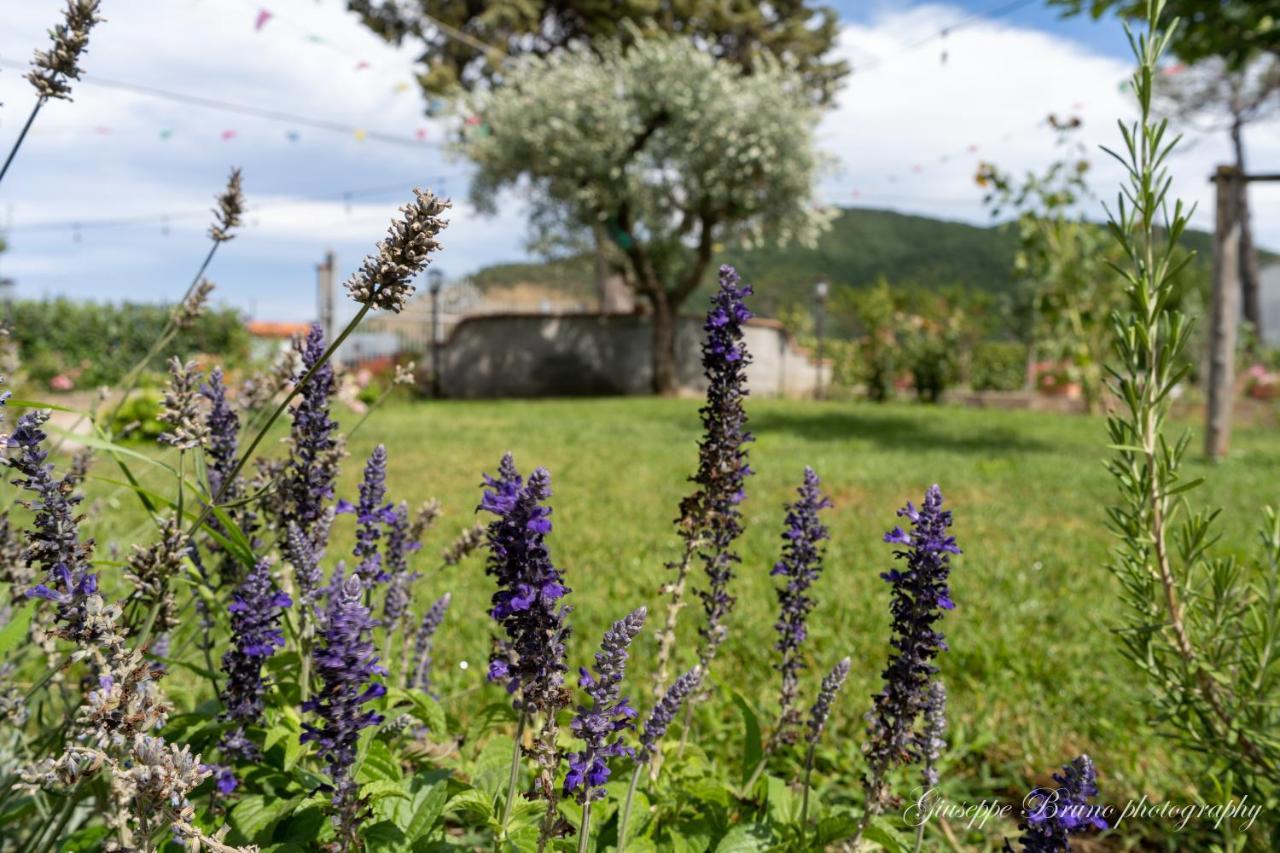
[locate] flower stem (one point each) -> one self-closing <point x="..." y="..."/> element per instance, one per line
<point x="275" y="415"/>
<point x="625" y="818"/>
<point x="584" y="830"/>
<point x="21" y="136"/>
<point x="804" y="801"/>
<point x="514" y="779"/>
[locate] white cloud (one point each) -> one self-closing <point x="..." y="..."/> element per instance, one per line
<point x="988" y="101"/>
<point x="103" y="156"/>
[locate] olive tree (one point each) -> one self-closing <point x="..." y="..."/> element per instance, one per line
<point x="662" y="148"/>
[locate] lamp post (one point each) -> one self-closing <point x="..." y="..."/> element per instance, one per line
<point x="435" y="282"/>
<point x="820" y="291"/>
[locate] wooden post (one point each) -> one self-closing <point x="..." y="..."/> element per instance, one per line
<point x="1225" y="315"/>
<point x="324" y="294"/>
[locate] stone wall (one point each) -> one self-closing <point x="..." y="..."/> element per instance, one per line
<point x="554" y="355"/>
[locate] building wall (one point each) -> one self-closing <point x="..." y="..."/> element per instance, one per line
<point x="602" y="354"/>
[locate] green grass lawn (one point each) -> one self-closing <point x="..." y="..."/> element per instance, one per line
<point x="1033" y="672"/>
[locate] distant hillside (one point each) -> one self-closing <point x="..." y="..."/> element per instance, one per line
<point x="862" y="245"/>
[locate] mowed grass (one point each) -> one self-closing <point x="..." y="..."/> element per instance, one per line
<point x="1033" y="669"/>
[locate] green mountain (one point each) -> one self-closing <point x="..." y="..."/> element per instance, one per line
<point x="862" y="245"/>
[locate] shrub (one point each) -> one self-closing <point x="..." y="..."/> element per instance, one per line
<point x="998" y="366"/>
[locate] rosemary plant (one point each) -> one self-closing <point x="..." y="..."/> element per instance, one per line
<point x="1203" y="628"/>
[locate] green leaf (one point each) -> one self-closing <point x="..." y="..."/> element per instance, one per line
<point x="783" y="807"/>
<point x="836" y="828"/>
<point x="886" y="836"/>
<point x="472" y="803"/>
<point x="526" y="814"/>
<point x="747" y="838"/>
<point x="383" y="835"/>
<point x="85" y="839"/>
<point x="428" y="805"/>
<point x="752" y="746"/>
<point x="380" y="789"/>
<point x="13" y="633"/>
<point x="253" y="816"/>
<point x="424" y="708"/>
<point x="379" y="764"/>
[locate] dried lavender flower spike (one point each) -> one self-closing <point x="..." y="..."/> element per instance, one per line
<point x="424" y="641"/>
<point x="385" y="279"/>
<point x="180" y="409"/>
<point x="193" y="307"/>
<point x="800" y="566"/>
<point x="609" y="713"/>
<point x="462" y="547"/>
<point x="423" y="519"/>
<point x="229" y="210"/>
<point x="664" y="713"/>
<point x="52" y="69"/>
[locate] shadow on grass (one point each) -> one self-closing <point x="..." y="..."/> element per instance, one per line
<point x="894" y="431"/>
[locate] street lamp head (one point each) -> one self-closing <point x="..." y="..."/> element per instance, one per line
<point x="820" y="291"/>
<point x="435" y="280"/>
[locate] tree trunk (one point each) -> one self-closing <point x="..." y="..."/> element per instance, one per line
<point x="664" y="344"/>
<point x="1224" y="317"/>
<point x="1249" y="271"/>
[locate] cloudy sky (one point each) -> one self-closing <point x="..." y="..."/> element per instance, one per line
<point x="109" y="197"/>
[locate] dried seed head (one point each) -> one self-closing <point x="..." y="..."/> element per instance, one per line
<point x="462" y="547"/>
<point x="181" y="407"/>
<point x="404" y="374"/>
<point x="384" y="279"/>
<point x="51" y="69"/>
<point x="230" y="208"/>
<point x="424" y="518"/>
<point x="192" y="308"/>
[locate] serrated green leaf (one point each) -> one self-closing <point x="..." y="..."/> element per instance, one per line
<point x="472" y="803"/>
<point x="428" y="805"/>
<point x="381" y="789"/>
<point x="379" y="763"/>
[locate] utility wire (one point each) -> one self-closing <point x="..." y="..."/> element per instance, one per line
<point x="990" y="15"/>
<point x="243" y="109"/>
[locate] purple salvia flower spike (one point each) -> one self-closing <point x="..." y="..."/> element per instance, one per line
<point x="256" y="610"/>
<point x="599" y="724"/>
<point x="347" y="664"/>
<point x="1055" y="815"/>
<point x="920" y="595"/>
<point x="664" y="713"/>
<point x="424" y="641"/>
<point x="307" y="485"/>
<point x="800" y="566"/>
<point x="530" y="660"/>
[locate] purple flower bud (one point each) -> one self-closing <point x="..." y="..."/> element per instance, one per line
<point x="664" y="712"/>
<point x="609" y="713"/>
